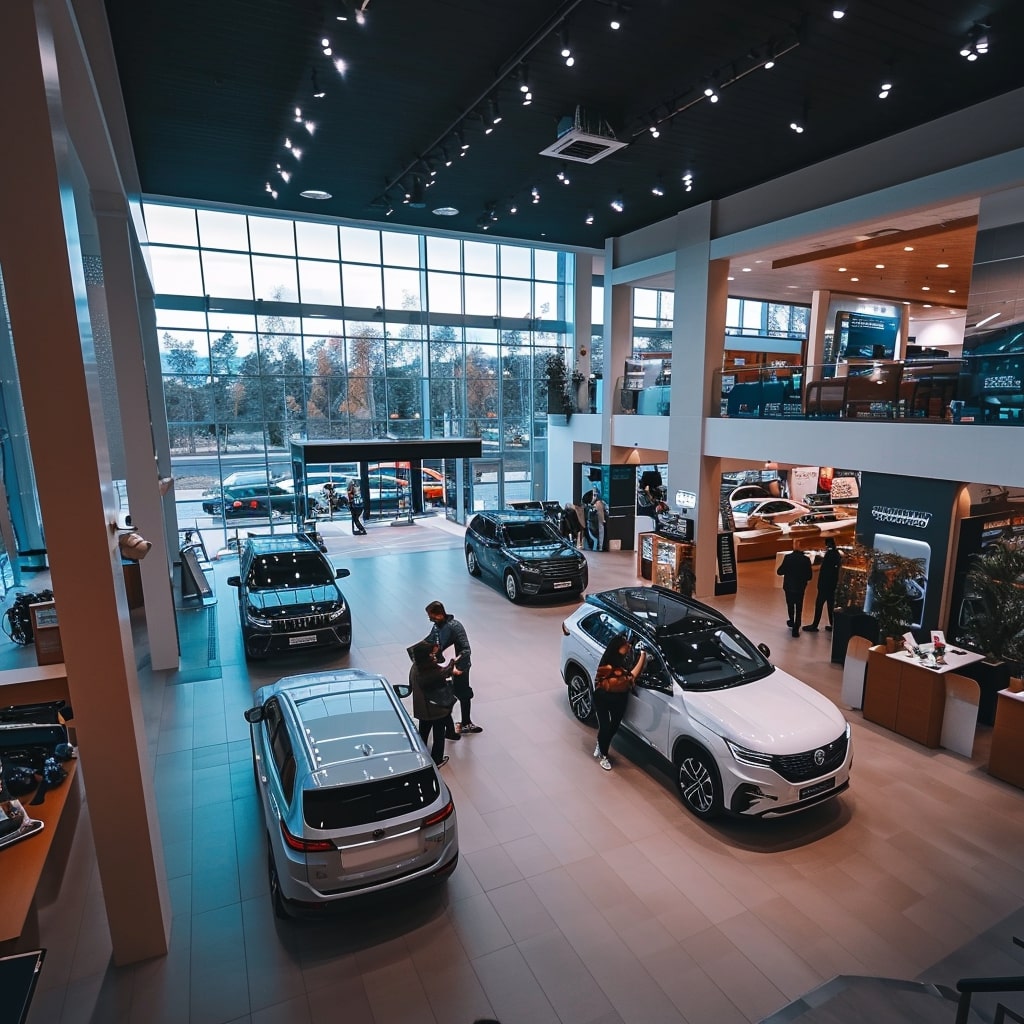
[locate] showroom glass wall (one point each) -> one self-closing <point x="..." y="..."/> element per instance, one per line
<point x="274" y="329"/>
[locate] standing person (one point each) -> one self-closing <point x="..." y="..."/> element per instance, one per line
<point x="589" y="520"/>
<point x="796" y="573"/>
<point x="425" y="674"/>
<point x="613" y="684"/>
<point x="572" y="524"/>
<point x="601" y="515"/>
<point x="828" y="578"/>
<point x="449" y="632"/>
<point x="355" y="506"/>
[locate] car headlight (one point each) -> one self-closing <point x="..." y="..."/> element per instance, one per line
<point x="530" y="570"/>
<point x="256" y="619"/>
<point x="338" y="612"/>
<point x="754" y="758"/>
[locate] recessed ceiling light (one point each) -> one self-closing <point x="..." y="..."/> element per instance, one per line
<point x="854" y="278"/>
<point x="952" y="291"/>
<point x="927" y="305"/>
<point x="908" y="248"/>
<point x="746" y="270"/>
<point x="730" y="279"/>
<point x="315" y="193"/>
<point x="446" y="211"/>
<point x="879" y="266"/>
<point x="925" y="288"/>
<point x="842" y="270"/>
<point x="942" y="266"/>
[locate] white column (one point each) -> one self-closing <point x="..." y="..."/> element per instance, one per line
<point x="40" y="256"/>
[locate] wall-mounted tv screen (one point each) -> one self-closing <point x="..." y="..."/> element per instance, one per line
<point x="863" y="336"/>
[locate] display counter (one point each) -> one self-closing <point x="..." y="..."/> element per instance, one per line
<point x="1005" y="761"/>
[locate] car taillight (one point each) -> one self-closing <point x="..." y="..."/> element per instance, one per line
<point x="306" y="845"/>
<point x="565" y="631"/>
<point x="446" y="812"/>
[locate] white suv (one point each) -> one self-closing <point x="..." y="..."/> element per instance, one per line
<point x="741" y="735"/>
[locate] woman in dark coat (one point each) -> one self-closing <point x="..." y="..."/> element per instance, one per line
<point x="425" y="675"/>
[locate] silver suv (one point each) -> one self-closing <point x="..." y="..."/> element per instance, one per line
<point x="352" y="800"/>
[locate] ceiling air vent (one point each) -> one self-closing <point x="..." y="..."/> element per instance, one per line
<point x="585" y="140"/>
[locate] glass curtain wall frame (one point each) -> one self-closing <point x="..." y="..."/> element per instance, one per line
<point x="330" y="330"/>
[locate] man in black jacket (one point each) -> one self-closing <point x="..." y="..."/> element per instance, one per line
<point x="796" y="574"/>
<point x="449" y="632"/>
<point x="828" y="578"/>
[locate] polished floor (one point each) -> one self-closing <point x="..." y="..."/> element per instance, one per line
<point x="582" y="896"/>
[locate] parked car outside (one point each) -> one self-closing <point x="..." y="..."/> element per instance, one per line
<point x="525" y="552"/>
<point x="774" y="510"/>
<point x="288" y="597"/>
<point x="740" y="735"/>
<point x="249" y="501"/>
<point x="242" y="478"/>
<point x="352" y="802"/>
<point x="433" y="481"/>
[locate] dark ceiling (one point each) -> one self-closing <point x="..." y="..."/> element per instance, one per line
<point x="211" y="87"/>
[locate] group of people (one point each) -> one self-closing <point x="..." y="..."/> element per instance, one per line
<point x="796" y="572"/>
<point x="430" y="673"/>
<point x="586" y="523"/>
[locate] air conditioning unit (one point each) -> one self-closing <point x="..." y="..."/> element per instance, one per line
<point x="583" y="140"/>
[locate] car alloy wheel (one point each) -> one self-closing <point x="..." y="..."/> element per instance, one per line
<point x="472" y="565"/>
<point x="581" y="697"/>
<point x="698" y="783"/>
<point x="511" y="586"/>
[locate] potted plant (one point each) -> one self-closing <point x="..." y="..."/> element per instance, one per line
<point x="562" y="386"/>
<point x="995" y="602"/>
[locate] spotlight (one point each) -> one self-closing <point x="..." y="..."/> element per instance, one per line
<point x="655" y="131"/>
<point x="447" y="157"/>
<point x="688" y="181"/>
<point x="884" y="90"/>
<point x="513" y="208"/>
<point x="566" y="50"/>
<point x="976" y="43"/>
<point x="494" y="112"/>
<point x="563" y="174"/>
<point x="590" y="217"/>
<point x="615" y="22"/>
<point x="527" y="98"/>
<point x="617" y="204"/>
<point x="712" y="94"/>
<point x="325" y="45"/>
<point x="657" y="189"/>
<point x="416" y="200"/>
<point x="535" y="194"/>
<point x="524" y="79"/>
<point x="839" y="11"/>
<point x="463" y="144"/>
<point x="797" y="127"/>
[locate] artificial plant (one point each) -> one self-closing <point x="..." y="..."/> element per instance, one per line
<point x="995" y="602"/>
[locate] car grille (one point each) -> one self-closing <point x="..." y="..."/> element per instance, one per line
<point x="301" y="623"/>
<point x="560" y="570"/>
<point x="800" y="767"/>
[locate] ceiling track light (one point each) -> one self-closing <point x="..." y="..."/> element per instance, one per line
<point x="658" y="189"/>
<point x="884" y="89"/>
<point x="524" y="79"/>
<point x="325" y="45"/>
<point x="615" y="22"/>
<point x="461" y="137"/>
<point x="711" y="92"/>
<point x="797" y="127"/>
<point x="838" y="11"/>
<point x="655" y="131"/>
<point x="688" y="181"/>
<point x="535" y="194"/>
<point x="527" y="98"/>
<point x="977" y="42"/>
<point x="566" y="49"/>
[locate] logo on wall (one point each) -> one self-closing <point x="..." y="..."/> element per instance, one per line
<point x="901" y="516"/>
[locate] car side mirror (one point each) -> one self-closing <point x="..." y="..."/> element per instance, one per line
<point x="342" y="573"/>
<point x="402" y="689"/>
<point x="254" y="715"/>
<point x="234" y="581"/>
<point x="763" y="648"/>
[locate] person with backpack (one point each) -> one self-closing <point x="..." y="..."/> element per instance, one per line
<point x="620" y="665"/>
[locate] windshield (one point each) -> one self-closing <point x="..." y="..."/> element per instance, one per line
<point x="520" y="535"/>
<point x="289" y="569"/>
<point x="708" y="659"/>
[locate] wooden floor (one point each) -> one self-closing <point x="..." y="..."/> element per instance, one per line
<point x="582" y="896"/>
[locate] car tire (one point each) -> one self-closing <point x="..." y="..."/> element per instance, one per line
<point x="472" y="565"/>
<point x="511" y="586"/>
<point x="581" y="695"/>
<point x="277" y="901"/>
<point x="698" y="782"/>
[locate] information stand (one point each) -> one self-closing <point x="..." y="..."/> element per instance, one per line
<point x="45" y="629"/>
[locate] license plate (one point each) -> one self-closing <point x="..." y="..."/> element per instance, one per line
<point x="305" y="638"/>
<point x="818" y="787"/>
<point x="563" y="585"/>
<point x="383" y="852"/>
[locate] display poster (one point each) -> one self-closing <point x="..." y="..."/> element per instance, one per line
<point x="910" y="516"/>
<point x="725" y="580"/>
<point x="803" y="480"/>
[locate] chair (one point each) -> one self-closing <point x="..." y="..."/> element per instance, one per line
<point x="854" y="669"/>
<point x="960" y="716"/>
<point x="826" y="397"/>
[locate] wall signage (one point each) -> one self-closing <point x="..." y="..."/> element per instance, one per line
<point x="901" y="516"/>
<point x="686" y="499"/>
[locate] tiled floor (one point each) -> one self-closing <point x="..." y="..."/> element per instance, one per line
<point x="582" y="897"/>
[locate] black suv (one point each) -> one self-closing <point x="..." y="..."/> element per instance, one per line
<point x="526" y="553"/>
<point x="288" y="598"/>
